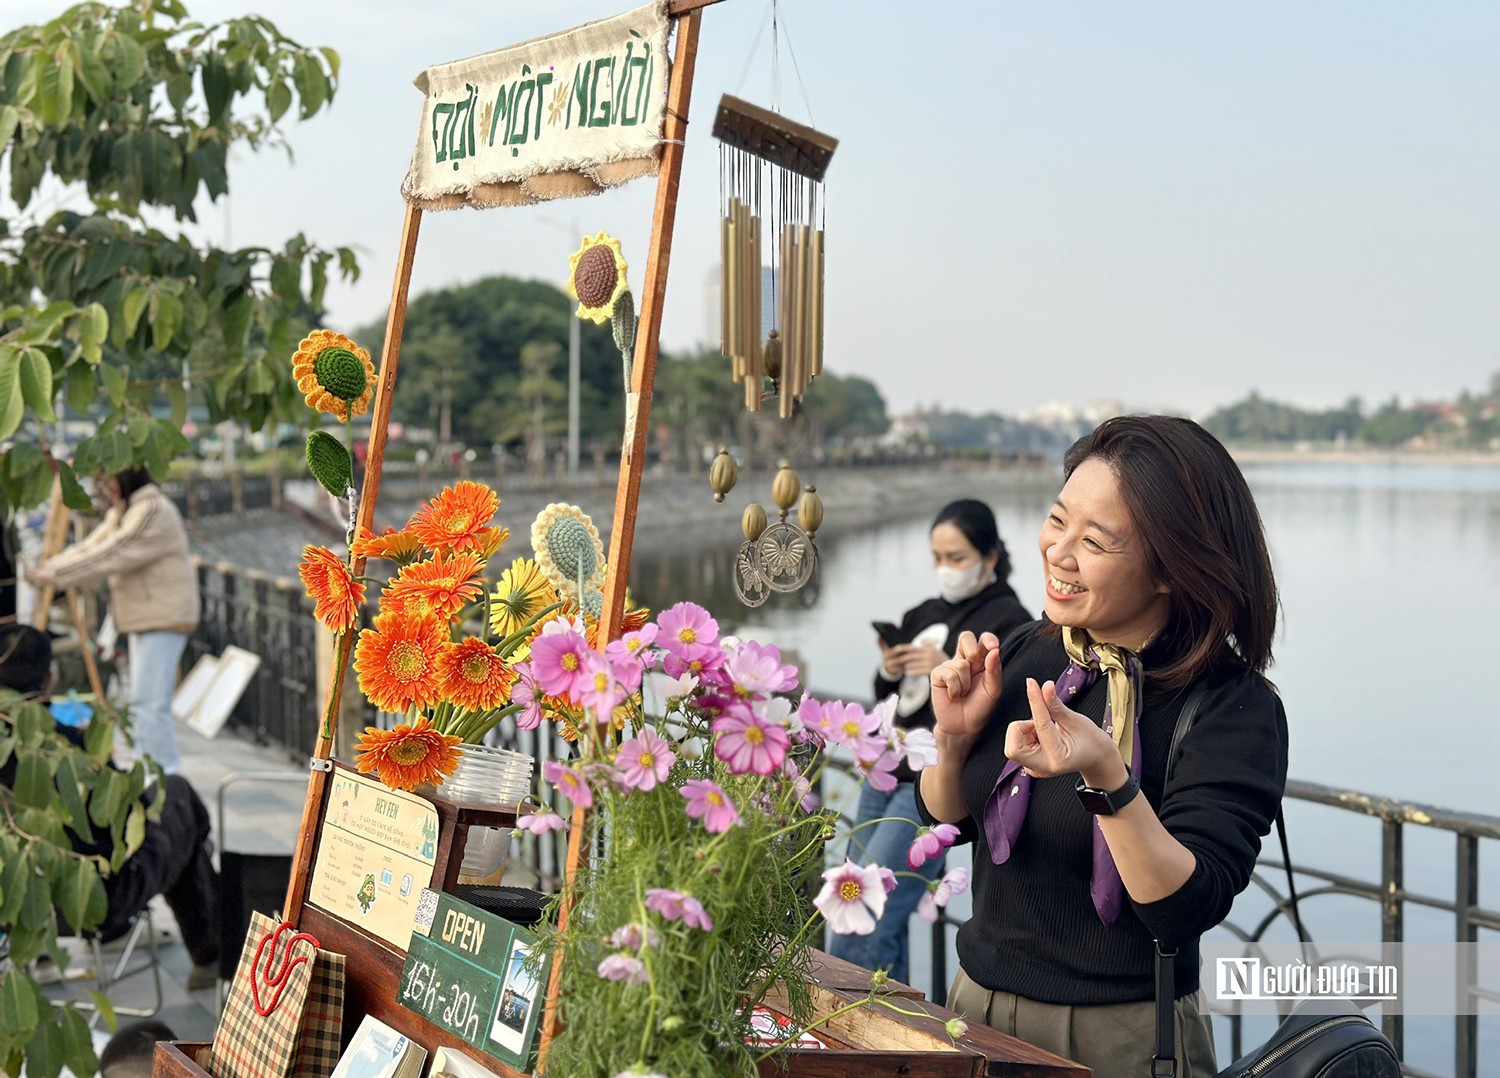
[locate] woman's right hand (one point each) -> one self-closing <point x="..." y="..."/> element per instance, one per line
<point x="967" y="686"/>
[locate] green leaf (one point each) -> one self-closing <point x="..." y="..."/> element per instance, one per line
<point x="108" y="796"/>
<point x="93" y="329"/>
<point x="70" y="791"/>
<point x="114" y="383"/>
<point x="14" y="868"/>
<point x="82" y="387"/>
<point x="46" y="1052"/>
<point x="107" y="1009"/>
<point x="56" y="90"/>
<point x="135" y="303"/>
<point x="18" y="1010"/>
<point x="36" y="383"/>
<point x="10" y="119"/>
<point x="7" y="746"/>
<point x="135" y="828"/>
<point x="36" y="901"/>
<point x="33" y="781"/>
<point x="12" y="403"/>
<point x="177" y="399"/>
<point x="78" y="1043"/>
<point x="78" y="892"/>
<point x="278" y="99"/>
<point x="31" y="721"/>
<point x="74" y="496"/>
<point x="99" y="742"/>
<point x="217" y="88"/>
<point x="165" y="321"/>
<point x="237" y="322"/>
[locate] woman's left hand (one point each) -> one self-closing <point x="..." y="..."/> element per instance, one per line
<point x="922" y="659"/>
<point x="1057" y="740"/>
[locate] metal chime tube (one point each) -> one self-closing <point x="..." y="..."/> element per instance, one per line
<point x="788" y="319"/>
<point x="732" y="286"/>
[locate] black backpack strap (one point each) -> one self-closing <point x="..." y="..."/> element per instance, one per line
<point x="1164" y="1060"/>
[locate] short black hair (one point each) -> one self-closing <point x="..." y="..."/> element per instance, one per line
<point x="128" y="1053"/>
<point x="977" y="522"/>
<point x="132" y="480"/>
<point x="25" y="658"/>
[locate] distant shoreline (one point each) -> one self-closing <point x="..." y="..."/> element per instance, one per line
<point x="1330" y="455"/>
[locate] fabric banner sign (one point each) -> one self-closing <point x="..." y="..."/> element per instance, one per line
<point x="556" y="117"/>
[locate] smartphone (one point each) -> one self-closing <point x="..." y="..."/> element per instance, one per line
<point x="889" y="633"/>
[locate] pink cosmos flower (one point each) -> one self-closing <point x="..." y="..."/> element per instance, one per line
<point x="954" y="882"/>
<point x="674" y="687"/>
<point x="632" y="937"/>
<point x="622" y="967"/>
<point x="885" y="711"/>
<point x="879" y="770"/>
<point x="703" y="661"/>
<point x="559" y="662"/>
<point x="919" y="747"/>
<point x="644" y="760"/>
<point x="679" y="906"/>
<point x="746" y="742"/>
<point x="851" y="726"/>
<point x="707" y="801"/>
<point x="807" y="722"/>
<point x="757" y="670"/>
<point x="539" y="823"/>
<point x="801" y="788"/>
<point x="569" y="782"/>
<point x="930" y="843"/>
<point x="599" y="689"/>
<point x="574" y="624"/>
<point x="852" y="898"/>
<point x="524" y="692"/>
<point x="635" y="646"/>
<point x="684" y="626"/>
<point x="888" y="879"/>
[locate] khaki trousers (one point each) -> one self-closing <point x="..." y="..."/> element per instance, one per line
<point x="1116" y="1040"/>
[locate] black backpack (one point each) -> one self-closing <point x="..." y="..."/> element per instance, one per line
<point x="1337" y="1041"/>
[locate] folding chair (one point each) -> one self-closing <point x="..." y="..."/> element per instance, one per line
<point x="109" y="971"/>
<point x="247" y="881"/>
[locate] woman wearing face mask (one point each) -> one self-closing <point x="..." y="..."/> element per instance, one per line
<point x="972" y="568"/>
<point x="1158" y="589"/>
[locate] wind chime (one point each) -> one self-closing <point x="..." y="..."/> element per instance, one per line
<point x="771" y="173"/>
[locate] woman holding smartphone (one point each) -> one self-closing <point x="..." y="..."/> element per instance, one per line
<point x="972" y="570"/>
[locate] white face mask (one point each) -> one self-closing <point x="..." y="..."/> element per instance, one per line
<point x="956" y="585"/>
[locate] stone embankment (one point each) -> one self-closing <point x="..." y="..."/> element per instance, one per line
<point x="674" y="513"/>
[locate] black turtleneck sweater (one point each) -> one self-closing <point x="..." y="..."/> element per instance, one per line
<point x="996" y="610"/>
<point x="1034" y="931"/>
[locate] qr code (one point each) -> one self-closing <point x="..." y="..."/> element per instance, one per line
<point x="426" y="911"/>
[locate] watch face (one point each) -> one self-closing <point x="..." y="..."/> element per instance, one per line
<point x="1095" y="801"/>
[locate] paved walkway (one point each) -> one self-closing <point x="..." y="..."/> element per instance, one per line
<point x="261" y="812"/>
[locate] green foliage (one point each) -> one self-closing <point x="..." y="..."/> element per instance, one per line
<point x="136" y="108"/>
<point x="67" y="820"/>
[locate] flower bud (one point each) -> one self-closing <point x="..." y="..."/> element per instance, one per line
<point x="957" y="1027"/>
<point x="672" y="1023"/>
<point x="879" y="978"/>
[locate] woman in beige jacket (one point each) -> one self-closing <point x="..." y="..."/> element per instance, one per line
<point x="142" y="549"/>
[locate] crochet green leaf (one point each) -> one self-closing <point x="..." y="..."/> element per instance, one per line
<point x="329" y="463"/>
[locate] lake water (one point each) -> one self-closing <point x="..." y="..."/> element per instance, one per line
<point x="1389" y="576"/>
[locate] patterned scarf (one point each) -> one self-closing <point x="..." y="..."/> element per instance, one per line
<point x="1005" y="811"/>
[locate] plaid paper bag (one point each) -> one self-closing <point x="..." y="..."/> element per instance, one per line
<point x="285" y="1012"/>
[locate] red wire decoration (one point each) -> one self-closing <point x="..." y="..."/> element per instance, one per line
<point x="277" y="978"/>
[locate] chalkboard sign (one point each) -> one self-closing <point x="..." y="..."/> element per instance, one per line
<point x="471" y="973"/>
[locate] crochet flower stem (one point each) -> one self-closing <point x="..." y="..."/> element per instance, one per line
<point x="337" y="691"/>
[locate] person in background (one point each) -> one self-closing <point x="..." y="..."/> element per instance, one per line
<point x="142" y="549"/>
<point x="173" y="859"/>
<point x="1053" y="752"/>
<point x="129" y="1053"/>
<point x="972" y="569"/>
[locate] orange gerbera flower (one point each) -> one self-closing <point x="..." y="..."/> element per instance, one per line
<point x="490" y="540"/>
<point x="336" y="593"/>
<point x="408" y="756"/>
<point x="397" y="661"/>
<point x="443" y="584"/>
<point x="473" y="676"/>
<point x="393" y="545"/>
<point x="456" y="518"/>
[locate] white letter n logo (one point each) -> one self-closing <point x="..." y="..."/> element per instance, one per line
<point x="1239" y="978"/>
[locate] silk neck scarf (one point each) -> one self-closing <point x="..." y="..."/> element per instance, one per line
<point x="1005" y="811"/>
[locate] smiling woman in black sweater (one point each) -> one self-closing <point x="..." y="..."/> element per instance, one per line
<point x="1053" y="751"/>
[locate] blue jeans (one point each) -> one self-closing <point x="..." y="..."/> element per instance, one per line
<point x="153" y="679"/>
<point x="886" y="844"/>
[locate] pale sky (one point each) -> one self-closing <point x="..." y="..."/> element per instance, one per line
<point x="1168" y="202"/>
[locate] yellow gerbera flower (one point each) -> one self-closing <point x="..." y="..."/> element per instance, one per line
<point x="596" y="277"/>
<point x="519" y="594"/>
<point x="334" y="374"/>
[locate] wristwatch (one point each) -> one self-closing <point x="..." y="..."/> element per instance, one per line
<point x="1107" y="802"/>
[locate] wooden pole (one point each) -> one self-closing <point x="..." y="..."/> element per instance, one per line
<point x="638" y="407"/>
<point x="385" y="390"/>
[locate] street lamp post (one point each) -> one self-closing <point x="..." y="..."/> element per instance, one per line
<point x="573" y="361"/>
